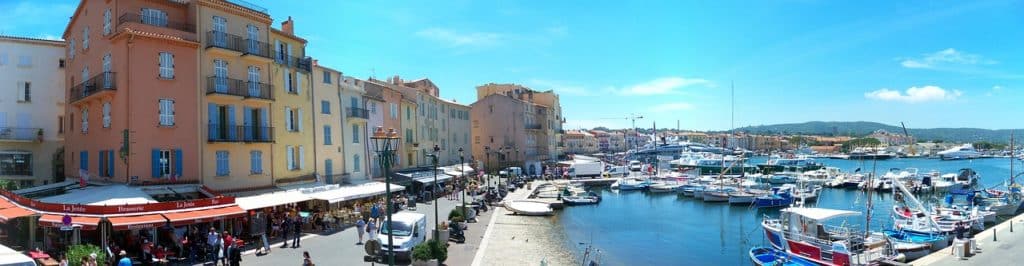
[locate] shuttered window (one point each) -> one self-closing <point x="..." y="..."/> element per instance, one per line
<point x="166" y="65"/>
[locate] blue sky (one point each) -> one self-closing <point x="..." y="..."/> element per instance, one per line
<point x="926" y="63"/>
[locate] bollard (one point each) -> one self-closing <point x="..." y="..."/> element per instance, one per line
<point x="994" y="234"/>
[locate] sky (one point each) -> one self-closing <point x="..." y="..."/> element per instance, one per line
<point x="706" y="65"/>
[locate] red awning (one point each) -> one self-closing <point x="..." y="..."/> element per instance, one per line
<point x="204" y="215"/>
<point x="137" y="221"/>
<point x="14" y="212"/>
<point x="4" y="203"/>
<point x="86" y="222"/>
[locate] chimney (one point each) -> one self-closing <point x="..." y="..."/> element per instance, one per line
<point x="288" y="26"/>
<point x="316" y="62"/>
<point x="396" y="80"/>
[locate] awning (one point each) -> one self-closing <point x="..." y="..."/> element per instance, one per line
<point x="86" y="222"/>
<point x="346" y="193"/>
<point x="137" y="221"/>
<point x="12" y="212"/>
<point x="203" y="215"/>
<point x="270" y="199"/>
<point x="430" y="179"/>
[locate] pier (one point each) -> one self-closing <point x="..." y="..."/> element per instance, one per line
<point x="522" y="240"/>
<point x="999" y="246"/>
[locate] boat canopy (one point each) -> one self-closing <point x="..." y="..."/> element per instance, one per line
<point x="819" y="214"/>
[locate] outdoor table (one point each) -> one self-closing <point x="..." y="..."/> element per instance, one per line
<point x="38" y="255"/>
<point x="47" y="261"/>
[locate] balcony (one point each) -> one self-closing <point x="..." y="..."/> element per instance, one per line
<point x="354" y="112"/>
<point x="234" y="45"/>
<point x="103" y="83"/>
<point x="534" y="126"/>
<point x="159" y="25"/>
<point x="230" y="133"/>
<point x="304" y="64"/>
<point x="14" y="134"/>
<point x="239" y="88"/>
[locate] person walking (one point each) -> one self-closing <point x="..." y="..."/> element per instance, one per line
<point x="371" y="228"/>
<point x="213" y="241"/>
<point x="235" y="256"/>
<point x="285" y="225"/>
<point x="375" y="210"/>
<point x="360" y="229"/>
<point x="226" y="245"/>
<point x="306" y="261"/>
<point x="297" y="225"/>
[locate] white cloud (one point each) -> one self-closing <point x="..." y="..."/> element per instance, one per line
<point x="995" y="89"/>
<point x="669" y="107"/>
<point x="661" y="86"/>
<point x="454" y="38"/>
<point x="560" y="87"/>
<point x="948" y="56"/>
<point x="915" y="94"/>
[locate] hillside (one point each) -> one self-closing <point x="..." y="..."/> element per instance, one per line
<point x="862" y="128"/>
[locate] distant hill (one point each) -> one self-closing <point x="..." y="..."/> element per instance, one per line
<point x="862" y="128"/>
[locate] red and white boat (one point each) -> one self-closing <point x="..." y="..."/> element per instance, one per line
<point x="800" y="232"/>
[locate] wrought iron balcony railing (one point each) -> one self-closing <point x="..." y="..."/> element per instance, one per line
<point x="236" y="87"/>
<point x="358" y="113"/>
<point x="234" y="133"/>
<point x="106" y="81"/>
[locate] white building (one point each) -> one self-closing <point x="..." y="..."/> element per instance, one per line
<point x="31" y="109"/>
<point x="374" y="103"/>
<point x="356" y="129"/>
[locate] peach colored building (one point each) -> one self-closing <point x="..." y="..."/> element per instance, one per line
<point x="393" y="116"/>
<point x="131" y="92"/>
<point x="522" y="127"/>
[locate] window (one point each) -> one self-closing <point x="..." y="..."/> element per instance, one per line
<point x="255" y="89"/>
<point x="327" y="135"/>
<point x="154" y="17"/>
<point x="220" y="74"/>
<point x="107" y="63"/>
<point x="24" y="91"/>
<point x="106" y="163"/>
<point x="288" y="86"/>
<point x="220" y="26"/>
<point x="256" y="162"/>
<point x="166" y="65"/>
<point x="408" y="112"/>
<point x="408" y="135"/>
<point x="85" y="38"/>
<point x="85" y="120"/>
<point x="24" y="61"/>
<point x="60" y="124"/>
<point x="355" y="164"/>
<point x="355" y="133"/>
<point x="290" y="157"/>
<point x="85" y="73"/>
<point x="373" y="107"/>
<point x="394" y="110"/>
<point x="166" y="112"/>
<point x="253" y="34"/>
<point x="325" y="107"/>
<point x="106" y="22"/>
<point x="293" y="119"/>
<point x="16" y="163"/>
<point x="223" y="169"/>
<point x="327" y="77"/>
<point x="164" y="163"/>
<point x="106" y="115"/>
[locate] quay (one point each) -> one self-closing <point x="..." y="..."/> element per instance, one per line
<point x="523" y="240"/>
<point x="999" y="246"/>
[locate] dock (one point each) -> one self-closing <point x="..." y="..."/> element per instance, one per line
<point x="999" y="246"/>
<point x="522" y="240"/>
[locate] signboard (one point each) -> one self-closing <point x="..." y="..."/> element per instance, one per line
<point x="115" y="209"/>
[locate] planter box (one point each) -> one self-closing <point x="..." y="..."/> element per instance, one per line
<point x="443" y="235"/>
<point x="425" y="263"/>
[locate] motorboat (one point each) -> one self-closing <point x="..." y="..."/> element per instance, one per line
<point x="741" y="197"/>
<point x="529" y="208"/>
<point x="665" y="187"/>
<point x="967" y="177"/>
<point x="910" y="250"/>
<point x="778" y="179"/>
<point x="632" y="184"/>
<point x="864" y="154"/>
<point x="789" y="163"/>
<point x="944" y="182"/>
<point x="963" y="152"/>
<point x="806" y="195"/>
<point x="767" y="256"/>
<point x="720" y="194"/>
<point x="933" y="241"/>
<point x="802" y="232"/>
<point x="779" y="197"/>
<point x="587" y="199"/>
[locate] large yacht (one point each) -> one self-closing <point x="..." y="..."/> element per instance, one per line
<point x="963" y="152"/>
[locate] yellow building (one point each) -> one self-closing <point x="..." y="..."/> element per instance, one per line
<point x="411" y="148"/>
<point x="329" y="144"/>
<point x="234" y="63"/>
<point x="292" y="109"/>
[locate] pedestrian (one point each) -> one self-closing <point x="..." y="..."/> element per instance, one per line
<point x="375" y="210"/>
<point x="213" y="241"/>
<point x="92" y="260"/>
<point x="371" y="228"/>
<point x="235" y="257"/>
<point x="285" y="225"/>
<point x="297" y="225"/>
<point x="306" y="261"/>
<point x="360" y="229"/>
<point x="227" y="243"/>
<point x="64" y="260"/>
<point x="125" y="260"/>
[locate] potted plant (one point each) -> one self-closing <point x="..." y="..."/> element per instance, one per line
<point x="77" y="252"/>
<point x="422" y="255"/>
<point x="442" y="232"/>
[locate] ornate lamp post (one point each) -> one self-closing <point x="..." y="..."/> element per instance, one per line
<point x="385" y="144"/>
<point x="437" y="223"/>
<point x="487" y="153"/>
<point x="462" y="178"/>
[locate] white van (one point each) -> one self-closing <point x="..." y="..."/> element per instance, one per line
<point x="615" y="171"/>
<point x="410" y="230"/>
<point x="635" y="166"/>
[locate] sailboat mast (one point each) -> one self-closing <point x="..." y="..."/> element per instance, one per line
<point x="1012" y="157"/>
<point x="870" y="205"/>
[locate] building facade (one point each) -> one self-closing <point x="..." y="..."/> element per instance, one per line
<point x="130" y="72"/>
<point x="529" y="125"/>
<point x="329" y="148"/>
<point x="376" y="106"/>
<point x="355" y="129"/>
<point x="31" y="118"/>
<point x="292" y="108"/>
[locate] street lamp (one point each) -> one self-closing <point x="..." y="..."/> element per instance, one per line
<point x="462" y="178"/>
<point x="385" y="144"/>
<point x="487" y="153"/>
<point x="437" y="223"/>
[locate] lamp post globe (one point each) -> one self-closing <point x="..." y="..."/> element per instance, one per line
<point x="385" y="143"/>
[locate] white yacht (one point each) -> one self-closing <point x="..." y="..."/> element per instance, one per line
<point x="963" y="152"/>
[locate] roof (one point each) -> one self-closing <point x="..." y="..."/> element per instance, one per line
<point x="335" y="193"/>
<point x="270" y="199"/>
<point x="102" y="195"/>
<point x="32" y="40"/>
<point x="820" y="213"/>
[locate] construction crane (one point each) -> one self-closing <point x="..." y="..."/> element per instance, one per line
<point x="910" y="147"/>
<point x="632" y="118"/>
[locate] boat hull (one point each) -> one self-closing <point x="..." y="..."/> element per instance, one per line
<point x="715" y="196"/>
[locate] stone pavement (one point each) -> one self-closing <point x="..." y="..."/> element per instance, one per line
<point x="1005" y="250"/>
<point x="339" y="248"/>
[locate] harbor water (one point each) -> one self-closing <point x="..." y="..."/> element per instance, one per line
<point x="639" y="228"/>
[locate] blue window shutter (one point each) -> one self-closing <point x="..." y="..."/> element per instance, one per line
<point x="327" y="135"/>
<point x="247" y="115"/>
<point x="264" y="124"/>
<point x="110" y="162"/>
<point x="84" y="158"/>
<point x="156" y="162"/>
<point x="177" y="162"/>
<point x="232" y="134"/>
<point x="214" y="121"/>
<point x="100" y="163"/>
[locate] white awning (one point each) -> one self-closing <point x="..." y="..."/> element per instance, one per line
<point x="820" y="214"/>
<point x="441" y="177"/>
<point x="271" y="199"/>
<point x="345" y="193"/>
<point x="102" y="195"/>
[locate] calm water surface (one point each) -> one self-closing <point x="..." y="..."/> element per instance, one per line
<point x="637" y="228"/>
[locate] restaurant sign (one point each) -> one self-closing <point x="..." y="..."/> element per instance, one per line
<point x="115" y="209"/>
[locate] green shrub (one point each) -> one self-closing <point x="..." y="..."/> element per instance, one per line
<point x="439" y="250"/>
<point x="77" y="252"/>
<point x="457" y="212"/>
<point x="422" y="252"/>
